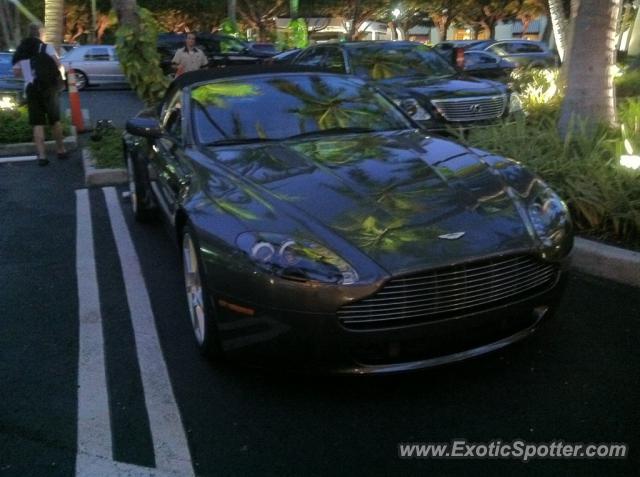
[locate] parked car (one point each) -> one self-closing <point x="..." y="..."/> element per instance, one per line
<point x="524" y="53"/>
<point x="11" y="93"/>
<point x="221" y="50"/>
<point x="321" y="228"/>
<point x="6" y="67"/>
<point x="284" y="57"/>
<point x="11" y="88"/>
<point x="447" y="47"/>
<point x="94" y="65"/>
<point x="483" y="64"/>
<point x="262" y="49"/>
<point x="419" y="79"/>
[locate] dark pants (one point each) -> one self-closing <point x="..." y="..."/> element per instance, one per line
<point x="43" y="105"/>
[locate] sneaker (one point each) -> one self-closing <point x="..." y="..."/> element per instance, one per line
<point x="63" y="155"/>
<point x="43" y="161"/>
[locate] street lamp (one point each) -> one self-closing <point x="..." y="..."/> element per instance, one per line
<point x="396" y="13"/>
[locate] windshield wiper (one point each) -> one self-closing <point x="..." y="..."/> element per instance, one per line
<point x="239" y="140"/>
<point x="330" y="131"/>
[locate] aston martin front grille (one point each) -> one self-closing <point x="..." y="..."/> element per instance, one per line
<point x="450" y="292"/>
<point x="471" y="109"/>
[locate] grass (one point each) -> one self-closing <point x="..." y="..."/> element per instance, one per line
<point x="15" y="128"/>
<point x="107" y="150"/>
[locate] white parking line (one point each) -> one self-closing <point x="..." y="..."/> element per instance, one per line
<point x="170" y="442"/>
<point x="94" y="428"/>
<point x="17" y="159"/>
<point x="97" y="467"/>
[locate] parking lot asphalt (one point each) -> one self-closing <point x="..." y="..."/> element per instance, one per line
<point x="576" y="379"/>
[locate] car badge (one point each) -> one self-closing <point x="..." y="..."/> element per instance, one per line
<point x="453" y="236"/>
<point x="476" y="108"/>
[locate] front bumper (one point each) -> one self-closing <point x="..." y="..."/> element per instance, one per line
<point x="317" y="342"/>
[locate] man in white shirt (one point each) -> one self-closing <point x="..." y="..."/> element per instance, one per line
<point x="43" y="104"/>
<point x="189" y="58"/>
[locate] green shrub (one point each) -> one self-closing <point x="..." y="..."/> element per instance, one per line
<point x="603" y="196"/>
<point x="107" y="150"/>
<point x="15" y="128"/>
<point x="140" y="59"/>
<point x="628" y="84"/>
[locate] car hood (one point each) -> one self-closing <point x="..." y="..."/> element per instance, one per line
<point x="457" y="87"/>
<point x="401" y="198"/>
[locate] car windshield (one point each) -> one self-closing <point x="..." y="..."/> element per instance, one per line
<point x="393" y="61"/>
<point x="276" y="107"/>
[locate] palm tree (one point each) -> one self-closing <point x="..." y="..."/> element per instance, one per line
<point x="559" y="24"/>
<point x="53" y="21"/>
<point x="590" y="93"/>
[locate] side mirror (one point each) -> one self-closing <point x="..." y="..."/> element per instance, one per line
<point x="144" y="127"/>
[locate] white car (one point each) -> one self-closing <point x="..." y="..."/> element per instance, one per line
<point x="93" y="65"/>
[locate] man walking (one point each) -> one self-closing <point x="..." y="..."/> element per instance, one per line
<point x="189" y="58"/>
<point x="42" y="97"/>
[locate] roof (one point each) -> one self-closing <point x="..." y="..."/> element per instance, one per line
<point x="364" y="44"/>
<point x="200" y="76"/>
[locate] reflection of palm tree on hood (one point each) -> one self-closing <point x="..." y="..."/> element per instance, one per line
<point x="343" y="151"/>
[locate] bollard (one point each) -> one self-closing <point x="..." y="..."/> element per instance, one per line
<point x="74" y="101"/>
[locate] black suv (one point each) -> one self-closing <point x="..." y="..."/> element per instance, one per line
<point x="419" y="80"/>
<point x="221" y="50"/>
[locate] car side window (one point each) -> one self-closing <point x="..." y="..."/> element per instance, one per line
<point x="97" y="54"/>
<point x="528" y="48"/>
<point x="478" y="58"/>
<point x="313" y="57"/>
<point x="499" y="49"/>
<point x="334" y="61"/>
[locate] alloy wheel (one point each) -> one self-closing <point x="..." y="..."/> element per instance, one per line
<point x="193" y="287"/>
<point x="132" y="184"/>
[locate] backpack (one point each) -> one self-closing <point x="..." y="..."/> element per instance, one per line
<point x="45" y="70"/>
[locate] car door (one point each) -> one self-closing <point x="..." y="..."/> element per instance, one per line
<point x="168" y="161"/>
<point x="97" y="64"/>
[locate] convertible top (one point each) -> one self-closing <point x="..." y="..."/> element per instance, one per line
<point x="199" y="76"/>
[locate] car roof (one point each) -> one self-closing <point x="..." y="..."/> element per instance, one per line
<point x="199" y="76"/>
<point x="370" y="43"/>
<point x="203" y="35"/>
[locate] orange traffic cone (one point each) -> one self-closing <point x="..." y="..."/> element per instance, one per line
<point x="74" y="101"/>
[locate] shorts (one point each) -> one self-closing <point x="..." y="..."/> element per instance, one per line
<point x="43" y="106"/>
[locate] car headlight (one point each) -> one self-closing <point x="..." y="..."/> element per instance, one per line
<point x="548" y="214"/>
<point x="411" y="107"/>
<point x="297" y="259"/>
<point x="515" y="103"/>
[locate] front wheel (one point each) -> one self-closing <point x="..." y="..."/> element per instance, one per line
<point x="139" y="189"/>
<point x="201" y="311"/>
<point x="81" y="80"/>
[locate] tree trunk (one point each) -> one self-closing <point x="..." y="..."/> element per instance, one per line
<point x="634" y="36"/>
<point x="127" y="12"/>
<point x="353" y="28"/>
<point x="559" y="24"/>
<point x="4" y="25"/>
<point x="231" y="11"/>
<point x="391" y="28"/>
<point x="590" y="94"/>
<point x="53" y="21"/>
